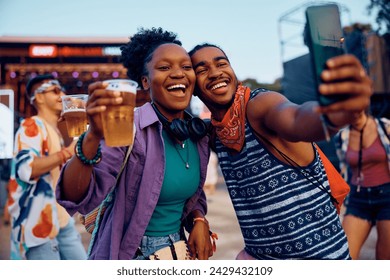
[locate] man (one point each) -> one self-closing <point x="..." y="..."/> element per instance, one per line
<point x="41" y="229"/>
<point x="274" y="175"/>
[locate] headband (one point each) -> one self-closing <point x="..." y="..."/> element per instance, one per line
<point x="45" y="86"/>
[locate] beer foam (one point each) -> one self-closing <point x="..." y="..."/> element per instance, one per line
<point x="122" y="85"/>
<point x="73" y="109"/>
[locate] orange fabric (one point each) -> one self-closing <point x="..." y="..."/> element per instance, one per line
<point x="338" y="186"/>
<point x="214" y="237"/>
<point x="12" y="186"/>
<point x="45" y="226"/>
<point x="231" y="130"/>
<point x="31" y="127"/>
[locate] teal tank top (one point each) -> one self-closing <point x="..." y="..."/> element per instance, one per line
<point x="179" y="184"/>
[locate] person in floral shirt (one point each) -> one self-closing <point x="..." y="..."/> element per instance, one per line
<point x="41" y="228"/>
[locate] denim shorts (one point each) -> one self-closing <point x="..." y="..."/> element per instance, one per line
<point x="150" y="244"/>
<point x="66" y="246"/>
<point x="369" y="203"/>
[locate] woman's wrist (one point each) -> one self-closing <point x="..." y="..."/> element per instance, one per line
<point x="200" y="219"/>
<point x="87" y="158"/>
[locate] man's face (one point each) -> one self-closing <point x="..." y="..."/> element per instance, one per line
<point x="215" y="79"/>
<point x="48" y="96"/>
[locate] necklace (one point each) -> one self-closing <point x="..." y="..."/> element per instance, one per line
<point x="183" y="145"/>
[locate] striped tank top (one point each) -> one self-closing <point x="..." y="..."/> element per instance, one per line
<point x="282" y="215"/>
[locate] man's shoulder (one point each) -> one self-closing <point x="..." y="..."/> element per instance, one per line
<point x="263" y="92"/>
<point x="32" y="126"/>
<point x="32" y="121"/>
<point x="256" y="91"/>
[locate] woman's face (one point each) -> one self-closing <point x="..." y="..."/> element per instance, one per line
<point x="170" y="79"/>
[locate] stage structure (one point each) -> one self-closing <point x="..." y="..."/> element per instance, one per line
<point x="76" y="61"/>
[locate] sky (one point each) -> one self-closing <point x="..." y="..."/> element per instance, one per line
<point x="250" y="31"/>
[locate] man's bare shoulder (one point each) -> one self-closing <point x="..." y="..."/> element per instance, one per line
<point x="264" y="101"/>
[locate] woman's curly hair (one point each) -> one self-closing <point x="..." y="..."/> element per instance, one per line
<point x="138" y="51"/>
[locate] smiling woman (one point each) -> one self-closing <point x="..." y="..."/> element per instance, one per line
<point x="160" y="193"/>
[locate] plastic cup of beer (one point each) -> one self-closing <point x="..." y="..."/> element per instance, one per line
<point x="118" y="120"/>
<point x="74" y="113"/>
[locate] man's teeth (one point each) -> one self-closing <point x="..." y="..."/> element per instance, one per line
<point x="219" y="85"/>
<point x="180" y="86"/>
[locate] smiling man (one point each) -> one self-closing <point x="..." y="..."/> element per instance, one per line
<point x="272" y="169"/>
<point x="41" y="229"/>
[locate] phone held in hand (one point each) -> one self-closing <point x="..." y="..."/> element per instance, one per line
<point x="325" y="40"/>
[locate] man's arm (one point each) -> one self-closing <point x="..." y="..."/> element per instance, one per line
<point x="274" y="114"/>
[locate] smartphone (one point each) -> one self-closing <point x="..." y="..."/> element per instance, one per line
<point x="325" y="40"/>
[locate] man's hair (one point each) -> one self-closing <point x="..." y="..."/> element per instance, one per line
<point x="138" y="51"/>
<point x="206" y="45"/>
<point x="36" y="80"/>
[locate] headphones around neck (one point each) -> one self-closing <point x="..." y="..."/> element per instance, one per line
<point x="191" y="127"/>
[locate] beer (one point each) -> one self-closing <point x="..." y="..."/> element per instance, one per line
<point x="74" y="113"/>
<point x="76" y="122"/>
<point x="118" y="121"/>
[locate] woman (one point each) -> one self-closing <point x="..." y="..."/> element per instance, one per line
<point x="364" y="152"/>
<point x="161" y="189"/>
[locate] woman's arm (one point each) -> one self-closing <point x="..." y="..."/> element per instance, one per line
<point x="199" y="239"/>
<point x="76" y="175"/>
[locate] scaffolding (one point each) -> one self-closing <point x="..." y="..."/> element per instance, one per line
<point x="291" y="26"/>
<point x="298" y="86"/>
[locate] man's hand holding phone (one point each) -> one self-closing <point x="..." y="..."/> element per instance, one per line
<point x="345" y="76"/>
<point x="325" y="40"/>
<point x="343" y="87"/>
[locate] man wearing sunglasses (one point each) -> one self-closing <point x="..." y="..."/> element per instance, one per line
<point x="41" y="228"/>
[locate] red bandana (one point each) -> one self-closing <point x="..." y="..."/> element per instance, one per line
<point x="231" y="130"/>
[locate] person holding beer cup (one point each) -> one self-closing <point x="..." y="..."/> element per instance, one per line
<point x="41" y="229"/>
<point x="160" y="191"/>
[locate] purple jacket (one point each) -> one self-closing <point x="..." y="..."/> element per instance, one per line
<point x="137" y="193"/>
